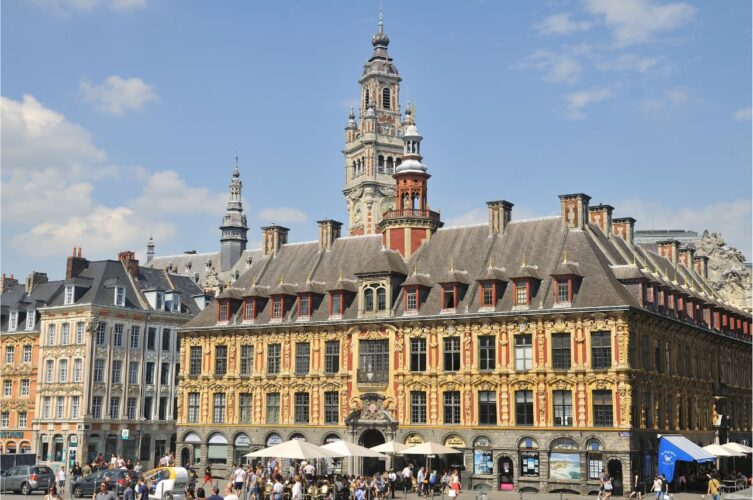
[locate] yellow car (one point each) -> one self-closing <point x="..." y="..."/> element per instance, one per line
<point x="167" y="483"/>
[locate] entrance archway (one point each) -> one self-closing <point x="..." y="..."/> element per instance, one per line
<point x="369" y="439"/>
<point x="614" y="469"/>
<point x="506" y="473"/>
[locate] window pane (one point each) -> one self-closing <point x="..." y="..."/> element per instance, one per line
<point x="523" y="352"/>
<point x="601" y="350"/>
<point x="418" y="355"/>
<point x="452" y="354"/>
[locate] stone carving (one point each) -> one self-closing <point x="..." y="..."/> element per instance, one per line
<point x="727" y="272"/>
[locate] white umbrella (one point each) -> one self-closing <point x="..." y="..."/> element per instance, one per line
<point x="718" y="451"/>
<point x="348" y="449"/>
<point x="428" y="448"/>
<point x="389" y="447"/>
<point x="738" y="448"/>
<point x="296" y="448"/>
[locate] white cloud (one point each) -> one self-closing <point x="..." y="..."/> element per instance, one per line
<point x="117" y="95"/>
<point x="742" y="114"/>
<point x="638" y="21"/>
<point x="730" y="218"/>
<point x="628" y="62"/>
<point x="561" y="24"/>
<point x="577" y="101"/>
<point x="166" y="191"/>
<point x="556" y="67"/>
<point x="66" y="7"/>
<point x="670" y="97"/>
<point x="282" y="215"/>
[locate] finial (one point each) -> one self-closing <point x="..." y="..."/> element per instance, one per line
<point x="381" y="24"/>
<point x="564" y="258"/>
<point x="282" y="279"/>
<point x="523" y="263"/>
<point x="236" y="171"/>
<point x="634" y="263"/>
<point x="352" y="114"/>
<point x="415" y="266"/>
<point x="256" y="280"/>
<point x="491" y="263"/>
<point x="151" y="238"/>
<point x="452" y="265"/>
<point x="341" y="275"/>
<point x="308" y="277"/>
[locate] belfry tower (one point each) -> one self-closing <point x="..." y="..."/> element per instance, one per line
<point x="234" y="226"/>
<point x="373" y="146"/>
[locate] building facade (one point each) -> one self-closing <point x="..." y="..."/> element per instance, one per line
<point x="544" y="349"/>
<point x="108" y="361"/>
<point x="19" y="345"/>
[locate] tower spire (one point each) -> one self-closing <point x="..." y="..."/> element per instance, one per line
<point x="234" y="226"/>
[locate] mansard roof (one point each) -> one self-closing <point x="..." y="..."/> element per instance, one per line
<point x="16" y="298"/>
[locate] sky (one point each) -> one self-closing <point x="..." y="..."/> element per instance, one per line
<point x="122" y="118"/>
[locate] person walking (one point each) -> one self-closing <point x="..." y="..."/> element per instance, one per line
<point x="128" y="491"/>
<point x="455" y="484"/>
<point x="636" y="487"/>
<point x="657" y="487"/>
<point x="713" y="487"/>
<point x="297" y="490"/>
<point x="61" y="479"/>
<point x="104" y="493"/>
<point x="607" y="487"/>
<point x="208" y="476"/>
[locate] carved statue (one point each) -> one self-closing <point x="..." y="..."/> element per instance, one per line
<point x="726" y="267"/>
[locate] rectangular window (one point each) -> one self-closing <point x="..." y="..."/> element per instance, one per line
<point x="120" y="296"/>
<point x="302" y="357"/>
<point x="301" y="410"/>
<point x="151" y="338"/>
<point x="448" y="297"/>
<point x="77" y="370"/>
<point x="166" y="339"/>
<point x="65" y="334"/>
<point x="452" y="407"/>
<point x="561" y="351"/>
<point x="645" y="358"/>
<point x="304" y="303"/>
<point x="451" y="354"/>
<point x="164" y="373"/>
<point x="487" y="407"/>
<point x="273" y="359"/>
<point x="487" y="359"/>
<point x="25" y="387"/>
<point x="521" y="293"/>
<point x="193" y="407"/>
<point x="60" y="407"/>
<point x="247" y="360"/>
<point x="418" y="355"/>
<point x="148" y="407"/>
<point x="563" y="408"/>
<point x="63" y="369"/>
<point x="12" y="321"/>
<point x="219" y="408"/>
<point x="336" y="303"/>
<point x="80" y="330"/>
<point x="411" y="299"/>
<point x="220" y="360"/>
<point x="602" y="410"/>
<point x="601" y="350"/>
<point x="99" y="370"/>
<point x="101" y="335"/>
<point x="133" y="372"/>
<point x="331" y="407"/>
<point x="49" y="367"/>
<point x="277" y="307"/>
<point x="117" y="336"/>
<point x="374" y="359"/>
<point x="162" y="410"/>
<point x="135" y="333"/>
<point x="51" y="335"/>
<point x="149" y="372"/>
<point x="47" y="403"/>
<point x="69" y="295"/>
<point x="194" y="362"/>
<point x="117" y="366"/>
<point x="524" y="407"/>
<point x="75" y="407"/>
<point x="7" y="388"/>
<point x="131" y="408"/>
<point x="114" y="406"/>
<point x="418" y="407"/>
<point x="10" y="354"/>
<point x="31" y="315"/>
<point x="563" y="290"/>
<point x="523" y="352"/>
<point x="332" y="356"/>
<point x="23" y="421"/>
<point x="248" y="309"/>
<point x="27" y="354"/>
<point x="223" y="308"/>
<point x="273" y="408"/>
<point x="244" y="412"/>
<point x="5" y="419"/>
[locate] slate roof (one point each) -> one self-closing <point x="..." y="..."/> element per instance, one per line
<point x="199" y="266"/>
<point x="15" y="298"/>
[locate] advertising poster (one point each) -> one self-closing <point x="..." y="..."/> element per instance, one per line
<point x="564" y="466"/>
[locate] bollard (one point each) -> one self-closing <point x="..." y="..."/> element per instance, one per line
<point x="521" y="495"/>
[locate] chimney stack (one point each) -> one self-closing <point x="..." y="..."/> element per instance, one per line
<point x="701" y="263"/>
<point x="574" y="208"/>
<point x="35" y="279"/>
<point x="75" y="264"/>
<point x="329" y="231"/>
<point x="6" y="282"/>
<point x="669" y="249"/>
<point x="274" y="238"/>
<point x="624" y="228"/>
<point x="128" y="258"/>
<point x="500" y="214"/>
<point x="601" y="215"/>
<point x="686" y="257"/>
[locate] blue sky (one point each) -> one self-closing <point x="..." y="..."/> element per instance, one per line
<point x="121" y="118"/>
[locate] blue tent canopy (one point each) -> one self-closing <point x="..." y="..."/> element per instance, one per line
<point x="674" y="448"/>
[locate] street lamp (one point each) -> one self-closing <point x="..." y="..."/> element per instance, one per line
<point x="142" y="419"/>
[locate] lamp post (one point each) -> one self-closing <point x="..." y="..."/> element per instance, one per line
<point x="142" y="419"/>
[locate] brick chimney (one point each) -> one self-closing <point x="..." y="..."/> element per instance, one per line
<point x="624" y="228"/>
<point x="685" y="257"/>
<point x="500" y="214"/>
<point x="6" y="282"/>
<point x="128" y="258"/>
<point x="601" y="215"/>
<point x="329" y="231"/>
<point x="35" y="279"/>
<point x="701" y="263"/>
<point x="574" y="208"/>
<point x="669" y="249"/>
<point x="274" y="238"/>
<point x="75" y="264"/>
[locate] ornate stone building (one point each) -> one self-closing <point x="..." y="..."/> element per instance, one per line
<point x="544" y="349"/>
<point x="19" y="345"/>
<point x="108" y="360"/>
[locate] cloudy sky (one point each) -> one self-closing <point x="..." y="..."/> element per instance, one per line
<point x="121" y="118"/>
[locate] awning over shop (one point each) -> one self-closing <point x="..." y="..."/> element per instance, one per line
<point x="674" y="448"/>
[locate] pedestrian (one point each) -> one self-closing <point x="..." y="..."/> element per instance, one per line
<point x="76" y="472"/>
<point x="657" y="487"/>
<point x="278" y="488"/>
<point x="408" y="477"/>
<point x="208" y="476"/>
<point x="61" y="479"/>
<point x="86" y="470"/>
<point x="104" y="493"/>
<point x="665" y="487"/>
<point x="297" y="491"/>
<point x="215" y="494"/>
<point x="53" y="494"/>
<point x="636" y="488"/>
<point x="607" y="487"/>
<point x="392" y="478"/>
<point x="201" y="494"/>
<point x="142" y="492"/>
<point x="128" y="491"/>
<point x="138" y="467"/>
<point x="240" y="479"/>
<point x="455" y="484"/>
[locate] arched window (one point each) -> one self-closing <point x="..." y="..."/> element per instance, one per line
<point x="380" y="164"/>
<point x="366" y="98"/>
<point x="398" y="162"/>
<point x="386" y="98"/>
<point x="390" y="165"/>
<point x="368" y="299"/>
<point x="594" y="458"/>
<point x="381" y="299"/>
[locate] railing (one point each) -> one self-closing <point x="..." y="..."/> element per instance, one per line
<point x="410" y="212"/>
<point x="372" y="377"/>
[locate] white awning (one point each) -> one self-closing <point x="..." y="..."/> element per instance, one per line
<point x="217" y="438"/>
<point x="689" y="448"/>
<point x="192" y="437"/>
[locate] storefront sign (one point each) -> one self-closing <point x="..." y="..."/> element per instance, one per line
<point x="73" y="439"/>
<point x="242" y="441"/>
<point x="12" y="434"/>
<point x="624" y="434"/>
<point x="124" y="434"/>
<point x="529" y="463"/>
<point x="454" y="442"/>
<point x="482" y="462"/>
<point x="413" y="440"/>
<point x="273" y="440"/>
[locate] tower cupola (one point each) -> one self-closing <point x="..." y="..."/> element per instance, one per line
<point x="234" y="226"/>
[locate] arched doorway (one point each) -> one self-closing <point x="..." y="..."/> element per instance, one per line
<point x="614" y="469"/>
<point x="369" y="439"/>
<point x="185" y="456"/>
<point x="506" y="474"/>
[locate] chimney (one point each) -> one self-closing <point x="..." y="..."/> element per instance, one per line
<point x="601" y="215"/>
<point x="574" y="208"/>
<point x="128" y="258"/>
<point x="500" y="213"/>
<point x="669" y="249"/>
<point x="75" y="264"/>
<point x="329" y="231"/>
<point x="34" y="279"/>
<point x="149" y="250"/>
<point x="685" y="257"/>
<point x="701" y="263"/>
<point x="274" y="238"/>
<point x="7" y="282"/>
<point x="624" y="228"/>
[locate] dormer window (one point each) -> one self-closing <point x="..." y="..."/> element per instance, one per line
<point x="13" y="321"/>
<point x="522" y="297"/>
<point x="566" y="276"/>
<point x="159" y="301"/>
<point x="449" y="296"/>
<point x="119" y="296"/>
<point x="304" y="305"/>
<point x="488" y="294"/>
<point x="336" y="303"/>
<point x="30" y="318"/>
<point x="374" y="298"/>
<point x="174" y="302"/>
<point x="680" y="306"/>
<point x="69" y="295"/>
<point x="223" y="310"/>
<point x="250" y="308"/>
<point x="412" y="299"/>
<point x="278" y="307"/>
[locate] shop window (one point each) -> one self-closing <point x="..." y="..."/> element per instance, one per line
<point x="594" y="458"/>
<point x="217" y="449"/>
<point x="529" y="458"/>
<point x="564" y="460"/>
<point x="483" y="463"/>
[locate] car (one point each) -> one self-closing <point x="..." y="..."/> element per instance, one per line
<point x="86" y="486"/>
<point x="27" y="478"/>
<point x="167" y="483"/>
